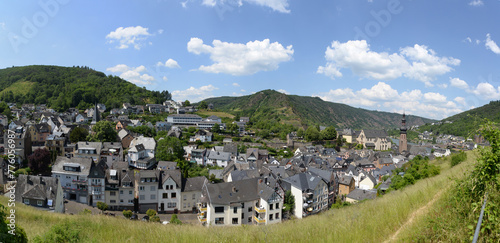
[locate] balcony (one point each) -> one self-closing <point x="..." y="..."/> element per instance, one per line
<point x="202" y="217"/>
<point x="259" y="220"/>
<point x="202" y="207"/>
<point x="74" y="189"/>
<point x="259" y="210"/>
<point x="80" y="182"/>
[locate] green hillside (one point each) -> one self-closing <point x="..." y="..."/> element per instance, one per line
<point x="465" y="123"/>
<point x="64" y="87"/>
<point x="303" y="110"/>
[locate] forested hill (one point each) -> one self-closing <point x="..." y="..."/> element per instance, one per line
<point x="64" y="87"/>
<point x="304" y="110"/>
<point x="466" y="122"/>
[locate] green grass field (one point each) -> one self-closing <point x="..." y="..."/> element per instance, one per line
<point x="216" y="113"/>
<point x="371" y="221"/>
<point x="20" y="87"/>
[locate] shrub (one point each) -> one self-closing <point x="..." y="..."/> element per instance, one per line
<point x="5" y="236"/>
<point x="458" y="158"/>
<point x="102" y="206"/>
<point x="63" y="232"/>
<point x="151" y="213"/>
<point x="175" y="220"/>
<point x="127" y="214"/>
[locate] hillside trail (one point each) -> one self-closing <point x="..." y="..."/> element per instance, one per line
<point x="415" y="214"/>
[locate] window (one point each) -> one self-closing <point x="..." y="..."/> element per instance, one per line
<point x="130" y="201"/>
<point x="270" y="217"/>
<point x="270" y="206"/>
<point x="235" y="220"/>
<point x="184" y="197"/>
<point x="26" y="201"/>
<point x="121" y="200"/>
<point x="129" y="192"/>
<point x="141" y="188"/>
<point x="277" y="205"/>
<point x="173" y="195"/>
<point x="219" y="209"/>
<point x="171" y="205"/>
<point x="249" y="220"/>
<point x="121" y="192"/>
<point x="153" y="197"/>
<point x="184" y="205"/>
<point x="249" y="209"/>
<point x="112" y="201"/>
<point x="235" y="209"/>
<point x="189" y="205"/>
<point x="194" y="196"/>
<point x="112" y="193"/>
<point x="39" y="203"/>
<point x="165" y="195"/>
<point x="219" y="220"/>
<point x="153" y="188"/>
<point x="277" y="216"/>
<point x="142" y="197"/>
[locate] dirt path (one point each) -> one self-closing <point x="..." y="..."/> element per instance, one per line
<point x="416" y="213"/>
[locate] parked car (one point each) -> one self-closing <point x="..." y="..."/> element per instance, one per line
<point x="134" y="217"/>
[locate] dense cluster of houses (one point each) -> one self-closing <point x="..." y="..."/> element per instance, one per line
<point x="127" y="175"/>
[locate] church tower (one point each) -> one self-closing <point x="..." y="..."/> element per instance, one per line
<point x="403" y="147"/>
<point x="96" y="117"/>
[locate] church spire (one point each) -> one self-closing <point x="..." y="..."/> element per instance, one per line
<point x="403" y="147"/>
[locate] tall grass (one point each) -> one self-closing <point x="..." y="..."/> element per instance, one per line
<point x="369" y="221"/>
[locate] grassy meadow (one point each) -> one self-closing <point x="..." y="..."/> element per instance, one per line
<point x="370" y="221"/>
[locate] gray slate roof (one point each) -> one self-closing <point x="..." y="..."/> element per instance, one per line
<point x="36" y="187"/>
<point x="193" y="184"/>
<point x="231" y="192"/>
<point x="304" y="181"/>
<point x="360" y="194"/>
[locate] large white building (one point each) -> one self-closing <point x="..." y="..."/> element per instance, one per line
<point x="184" y="119"/>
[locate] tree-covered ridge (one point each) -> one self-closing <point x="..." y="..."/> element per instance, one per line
<point x="64" y="87"/>
<point x="303" y="110"/>
<point x="463" y="124"/>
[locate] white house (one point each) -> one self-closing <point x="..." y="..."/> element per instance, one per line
<point x="169" y="193"/>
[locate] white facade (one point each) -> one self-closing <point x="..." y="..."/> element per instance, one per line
<point x="169" y="196"/>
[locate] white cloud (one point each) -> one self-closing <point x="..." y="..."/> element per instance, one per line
<point x="434" y="97"/>
<point x="160" y="31"/>
<point x="236" y="84"/>
<point x="194" y="94"/>
<point x="276" y="5"/>
<point x="460" y="100"/>
<point x="483" y="90"/>
<point x="487" y="91"/>
<point x="417" y="62"/>
<point x="283" y="91"/>
<point x="170" y="63"/>
<point x="476" y="3"/>
<point x="165" y="78"/>
<point x="2" y="25"/>
<point x="135" y="75"/>
<point x="241" y="59"/>
<point x="443" y="86"/>
<point x="129" y="36"/>
<point x="383" y="96"/>
<point x="491" y="45"/>
<point x="456" y="82"/>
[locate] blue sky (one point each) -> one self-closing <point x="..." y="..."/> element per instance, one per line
<point x="428" y="58"/>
